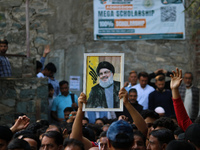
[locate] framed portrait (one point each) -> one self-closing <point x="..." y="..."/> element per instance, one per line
<point x="103" y="78"/>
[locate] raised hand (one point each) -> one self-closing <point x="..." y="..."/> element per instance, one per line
<point x="46" y="50"/>
<point x="126" y="84"/>
<point x="158" y="71"/>
<point x="72" y="116"/>
<point x="123" y="117"/>
<point x="176" y="79"/>
<point x="21" y="123"/>
<point x="81" y="100"/>
<point x="123" y="94"/>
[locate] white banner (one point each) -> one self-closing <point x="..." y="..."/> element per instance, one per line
<point x="120" y="20"/>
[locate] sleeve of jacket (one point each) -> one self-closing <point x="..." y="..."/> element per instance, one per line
<point x="151" y="101"/>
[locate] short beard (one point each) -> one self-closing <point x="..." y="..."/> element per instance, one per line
<point x="188" y="85"/>
<point x="106" y="84"/>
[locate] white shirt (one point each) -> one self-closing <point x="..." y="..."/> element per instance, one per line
<point x="143" y="94"/>
<point x="188" y="101"/>
<point x="40" y="75"/>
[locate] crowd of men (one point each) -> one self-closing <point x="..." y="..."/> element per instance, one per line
<point x="156" y="116"/>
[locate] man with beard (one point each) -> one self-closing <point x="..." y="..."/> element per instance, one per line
<point x="104" y="94"/>
<point x="190" y="96"/>
<point x="161" y="97"/>
<point x="132" y="97"/>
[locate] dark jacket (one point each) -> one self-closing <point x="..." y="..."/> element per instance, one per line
<point x="195" y="100"/>
<point x="97" y="97"/>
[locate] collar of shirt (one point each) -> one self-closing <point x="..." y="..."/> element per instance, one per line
<point x="63" y="95"/>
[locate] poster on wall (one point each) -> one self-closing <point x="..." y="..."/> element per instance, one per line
<point x="74" y="84"/>
<point x="121" y="20"/>
<point x="103" y="78"/>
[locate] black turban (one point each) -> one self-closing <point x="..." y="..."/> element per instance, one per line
<point x="107" y="65"/>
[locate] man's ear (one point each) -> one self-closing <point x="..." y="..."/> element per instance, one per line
<point x="164" y="146"/>
<point x="60" y="147"/>
<point x="109" y="144"/>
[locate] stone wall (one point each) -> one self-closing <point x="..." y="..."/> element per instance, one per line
<point x="23" y="95"/>
<point x="67" y="25"/>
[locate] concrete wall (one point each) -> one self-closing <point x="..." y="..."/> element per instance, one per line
<point x="23" y="95"/>
<point x="67" y="25"/>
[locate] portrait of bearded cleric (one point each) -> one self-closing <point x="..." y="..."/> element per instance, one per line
<point x="104" y="94"/>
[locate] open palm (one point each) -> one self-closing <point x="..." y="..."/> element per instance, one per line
<point x="176" y="79"/>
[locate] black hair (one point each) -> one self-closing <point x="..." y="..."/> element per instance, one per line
<point x="3" y="41"/>
<point x="73" y="142"/>
<point x="57" y="136"/>
<point x="43" y="122"/>
<point x="68" y="109"/>
<point x="127" y="143"/>
<point x="88" y="133"/>
<point x="5" y="133"/>
<point x="63" y="82"/>
<point x="178" y="131"/>
<point x="103" y="134"/>
<point x="189" y="73"/>
<point x="51" y="67"/>
<point x="150" y="114"/>
<point x="173" y="117"/>
<point x="85" y="118"/>
<point x="95" y="128"/>
<point x="177" y="144"/>
<point x="163" y="135"/>
<point x="101" y="120"/>
<point x="165" y="122"/>
<point x="38" y="65"/>
<point x="34" y="137"/>
<point x="160" y="77"/>
<point x="138" y="133"/>
<point x="64" y="125"/>
<point x="41" y="131"/>
<point x="57" y="126"/>
<point x="133" y="90"/>
<point x="33" y="127"/>
<point x="18" y="144"/>
<point x="50" y="86"/>
<point x="22" y="132"/>
<point x="143" y="74"/>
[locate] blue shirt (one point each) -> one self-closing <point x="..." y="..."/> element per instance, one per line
<point x="61" y="102"/>
<point x="55" y="85"/>
<point x="5" y="68"/>
<point x="127" y="88"/>
<point x="42" y="60"/>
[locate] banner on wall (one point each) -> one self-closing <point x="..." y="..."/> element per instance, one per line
<point x="120" y="20"/>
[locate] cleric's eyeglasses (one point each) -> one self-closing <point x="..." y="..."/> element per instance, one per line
<point x="105" y="72"/>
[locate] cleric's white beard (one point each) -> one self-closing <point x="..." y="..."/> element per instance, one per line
<point x="106" y="84"/>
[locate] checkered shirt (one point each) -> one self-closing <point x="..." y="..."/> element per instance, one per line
<point x="5" y="68"/>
